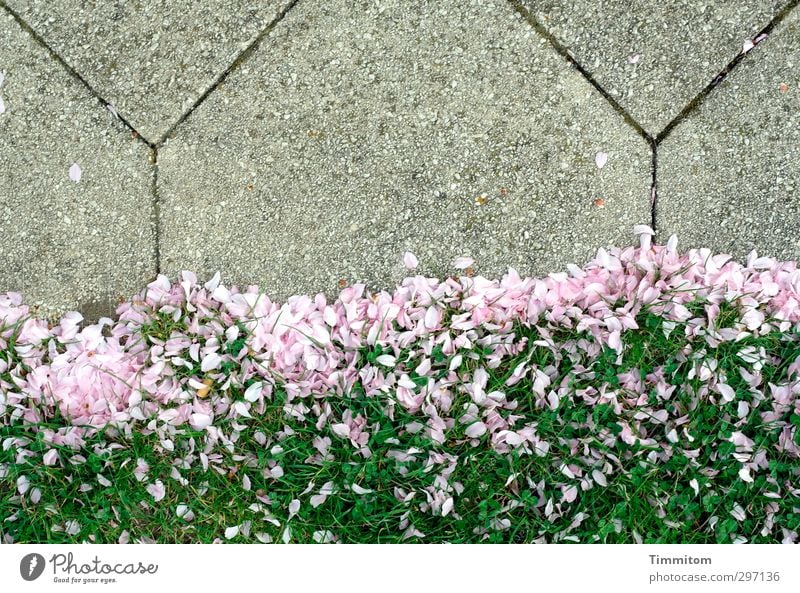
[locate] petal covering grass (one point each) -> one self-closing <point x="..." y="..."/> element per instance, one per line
<point x="649" y="396"/>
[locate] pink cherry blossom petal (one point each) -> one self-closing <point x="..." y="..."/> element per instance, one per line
<point x="75" y="172"/>
<point x="157" y="490"/>
<point x="410" y="261"/>
<point x="462" y="263"/>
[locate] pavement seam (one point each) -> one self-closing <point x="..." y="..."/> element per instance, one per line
<point x="564" y="52"/>
<point x="234" y="65"/>
<point x="700" y="98"/>
<point x="156" y="214"/>
<point x="73" y="73"/>
<point x="654" y="185"/>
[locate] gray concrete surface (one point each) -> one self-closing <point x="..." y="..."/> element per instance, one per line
<point x="359" y="129"/>
<point x="678" y="46"/>
<point x="729" y="175"/>
<point x="356" y="133"/>
<point x="67" y="244"/>
<point x="151" y="59"/>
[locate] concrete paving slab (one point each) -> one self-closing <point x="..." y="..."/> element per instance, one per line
<point x="152" y="59"/>
<point x="359" y="130"/>
<point x="729" y="175"/>
<point x="654" y="57"/>
<point x="75" y="188"/>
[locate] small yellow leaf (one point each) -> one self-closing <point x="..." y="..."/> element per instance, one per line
<point x="203" y="391"/>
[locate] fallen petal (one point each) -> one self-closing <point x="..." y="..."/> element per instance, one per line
<point x="410" y="261"/>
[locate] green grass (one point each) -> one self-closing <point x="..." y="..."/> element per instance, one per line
<point x="498" y="497"/>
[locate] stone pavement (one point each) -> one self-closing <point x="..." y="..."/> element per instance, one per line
<point x="299" y="144"/>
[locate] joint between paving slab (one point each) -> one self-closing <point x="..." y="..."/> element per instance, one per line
<point x="72" y="72"/>
<point x="698" y="100"/>
<point x="564" y="52"/>
<point x="654" y="184"/>
<point x="156" y="209"/>
<point x="237" y="62"/>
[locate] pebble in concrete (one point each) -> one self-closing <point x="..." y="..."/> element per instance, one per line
<point x="359" y="130"/>
<point x="729" y="175"/>
<point x="75" y="188"/>
<point x="151" y="59"/>
<point x="653" y="58"/>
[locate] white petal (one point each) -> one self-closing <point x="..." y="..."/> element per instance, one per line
<point x="672" y="243"/>
<point x="447" y="506"/>
<point x="200" y="421"/>
<point x="410" y="260"/>
<point x="462" y="263"/>
<point x="241" y="409"/>
<point x="318" y="499"/>
<point x="221" y="294"/>
<point x="253" y="392"/>
<point x="75" y="172"/>
<point x="743" y="409"/>
<point x="476" y="429"/>
<point x="600" y="159"/>
<point x="567" y="471"/>
<point x="359" y="490"/>
<point x="341" y="430"/>
<point x="738" y="512"/>
<point x="231" y="532"/>
<point x="323" y="537"/>
<point x="386" y="360"/>
<point x="744" y="474"/>
<point x="405" y="381"/>
<point x="599" y="477"/>
<point x="72" y="527"/>
<point x="211" y="361"/>
<point x="431" y="317"/>
<point x="615" y="341"/>
<point x="213" y="283"/>
<point x="136" y="398"/>
<point x="727" y="392"/>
